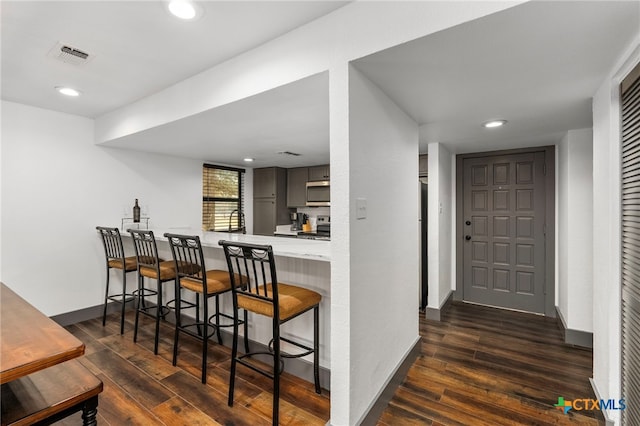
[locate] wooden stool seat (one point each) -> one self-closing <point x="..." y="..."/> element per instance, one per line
<point x="130" y="264"/>
<point x="167" y="271"/>
<point x="292" y="301"/>
<point x="217" y="282"/>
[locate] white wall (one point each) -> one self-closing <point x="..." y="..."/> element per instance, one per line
<point x="341" y="206"/>
<point x="562" y="225"/>
<point x="606" y="229"/>
<point x="1" y="180"/>
<point x="383" y="247"/>
<point x="57" y="186"/>
<point x="575" y="229"/>
<point x="440" y="224"/>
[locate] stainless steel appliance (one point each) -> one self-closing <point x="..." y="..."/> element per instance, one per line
<point x="323" y="230"/>
<point x="297" y="220"/>
<point x="318" y="193"/>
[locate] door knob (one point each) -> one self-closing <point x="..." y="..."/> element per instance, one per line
<point x="468" y="223"/>
<point x="467" y="237"/>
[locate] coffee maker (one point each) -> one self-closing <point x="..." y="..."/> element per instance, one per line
<point x="297" y="220"/>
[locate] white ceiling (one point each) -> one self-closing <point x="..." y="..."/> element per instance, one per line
<point x="293" y="118"/>
<point x="536" y="65"/>
<point x="136" y="47"/>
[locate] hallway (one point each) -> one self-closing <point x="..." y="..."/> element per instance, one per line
<point x="486" y="366"/>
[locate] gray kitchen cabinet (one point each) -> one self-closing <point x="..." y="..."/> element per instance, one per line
<point x="265" y="182"/>
<point x="319" y="173"/>
<point x="297" y="186"/>
<point x="264" y="216"/>
<point x="269" y="200"/>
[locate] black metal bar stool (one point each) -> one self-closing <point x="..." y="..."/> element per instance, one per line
<point x="255" y="288"/>
<point x="193" y="276"/>
<point x="150" y="266"/>
<point x="116" y="259"/>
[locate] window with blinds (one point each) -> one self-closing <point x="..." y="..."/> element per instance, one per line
<point x="630" y="212"/>
<point x="222" y="198"/>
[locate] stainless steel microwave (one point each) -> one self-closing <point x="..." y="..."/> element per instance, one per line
<point x="318" y="193"/>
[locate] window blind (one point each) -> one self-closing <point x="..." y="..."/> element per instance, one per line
<point x="630" y="268"/>
<point x="222" y="198"/>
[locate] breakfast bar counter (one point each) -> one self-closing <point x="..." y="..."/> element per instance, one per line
<point x="301" y="262"/>
<point x="286" y="247"/>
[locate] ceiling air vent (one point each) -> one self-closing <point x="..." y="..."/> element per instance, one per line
<point x="69" y="54"/>
<point x="295" y="154"/>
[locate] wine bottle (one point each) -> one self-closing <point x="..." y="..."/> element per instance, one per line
<point x="136" y="212"/>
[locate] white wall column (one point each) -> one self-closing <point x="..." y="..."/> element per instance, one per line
<point x="575" y="229"/>
<point x="375" y="252"/>
<point x="440" y="225"/>
<point x="340" y="245"/>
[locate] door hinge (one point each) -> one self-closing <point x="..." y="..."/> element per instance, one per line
<point x="544" y="229"/>
<point x="544" y="168"/>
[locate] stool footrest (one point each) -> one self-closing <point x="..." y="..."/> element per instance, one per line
<point x="119" y="298"/>
<point x="183" y="304"/>
<point x="240" y="322"/>
<point x="184" y="329"/>
<point x="308" y="350"/>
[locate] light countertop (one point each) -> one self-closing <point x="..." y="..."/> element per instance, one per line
<point x="286" y="230"/>
<point x="287" y="247"/>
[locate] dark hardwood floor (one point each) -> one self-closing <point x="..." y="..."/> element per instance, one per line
<point x="479" y="366"/>
<point x="486" y="366"/>
<point x="143" y="389"/>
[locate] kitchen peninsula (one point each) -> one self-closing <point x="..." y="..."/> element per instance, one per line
<point x="299" y="261"/>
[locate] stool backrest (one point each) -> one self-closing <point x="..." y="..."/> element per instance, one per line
<point x="252" y="269"/>
<point x="188" y="257"/>
<point x="112" y="242"/>
<point x="146" y="249"/>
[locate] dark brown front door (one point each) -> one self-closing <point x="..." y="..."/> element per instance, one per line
<point x="503" y="231"/>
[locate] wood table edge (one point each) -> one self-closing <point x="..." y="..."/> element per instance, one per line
<point x="16" y="373"/>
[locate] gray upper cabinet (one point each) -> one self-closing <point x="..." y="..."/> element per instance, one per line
<point x="269" y="200"/>
<point x="319" y="173"/>
<point x="297" y="186"/>
<point x="264" y="182"/>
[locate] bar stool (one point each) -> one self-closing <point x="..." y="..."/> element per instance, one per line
<point x="189" y="264"/>
<point x="115" y="259"/>
<point x="255" y="288"/>
<point x="152" y="267"/>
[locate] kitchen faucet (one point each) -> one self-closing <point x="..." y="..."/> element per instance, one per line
<point x="241" y="217"/>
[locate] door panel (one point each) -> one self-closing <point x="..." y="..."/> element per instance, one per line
<point x="504" y="243"/>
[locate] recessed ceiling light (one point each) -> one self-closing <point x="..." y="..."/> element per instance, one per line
<point x="494" y="123"/>
<point x="68" y="91"/>
<point x="248" y="160"/>
<point x="185" y="9"/>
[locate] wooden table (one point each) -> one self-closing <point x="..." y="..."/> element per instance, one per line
<point x="30" y="340"/>
<point x="40" y="380"/>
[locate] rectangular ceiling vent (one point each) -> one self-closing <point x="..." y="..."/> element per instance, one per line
<point x="69" y="54"/>
<point x="295" y="154"/>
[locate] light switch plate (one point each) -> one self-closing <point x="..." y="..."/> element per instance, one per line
<point x="361" y="208"/>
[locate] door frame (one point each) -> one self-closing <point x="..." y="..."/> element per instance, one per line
<point x="549" y="216"/>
